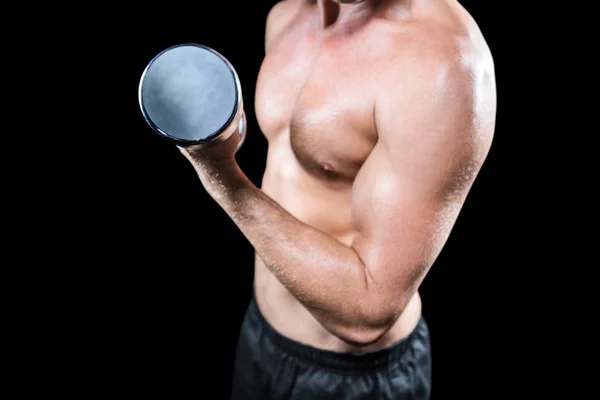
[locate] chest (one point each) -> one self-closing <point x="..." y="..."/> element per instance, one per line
<point x="317" y="97"/>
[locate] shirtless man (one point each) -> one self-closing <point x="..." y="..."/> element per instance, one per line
<point x="379" y="114"/>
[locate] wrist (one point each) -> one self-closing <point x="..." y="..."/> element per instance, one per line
<point x="222" y="177"/>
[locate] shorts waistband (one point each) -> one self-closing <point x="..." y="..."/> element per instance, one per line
<point x="346" y="362"/>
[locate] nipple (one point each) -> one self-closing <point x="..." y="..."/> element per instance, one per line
<point x="327" y="167"/>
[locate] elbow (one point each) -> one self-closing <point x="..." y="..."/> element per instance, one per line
<point x="368" y="331"/>
<point x="372" y="327"/>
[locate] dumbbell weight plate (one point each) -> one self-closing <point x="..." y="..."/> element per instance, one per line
<point x="191" y="95"/>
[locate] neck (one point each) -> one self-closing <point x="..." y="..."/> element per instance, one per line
<point x="342" y="11"/>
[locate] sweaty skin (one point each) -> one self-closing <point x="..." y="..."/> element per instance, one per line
<point x="378" y="117"/>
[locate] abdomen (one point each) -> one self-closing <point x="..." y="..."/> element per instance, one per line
<point x="318" y="204"/>
<point x="315" y="204"/>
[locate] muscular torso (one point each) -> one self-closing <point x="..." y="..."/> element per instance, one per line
<point x="315" y="100"/>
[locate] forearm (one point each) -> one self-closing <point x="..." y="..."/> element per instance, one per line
<point x="327" y="277"/>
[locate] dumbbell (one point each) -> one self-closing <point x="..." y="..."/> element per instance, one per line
<point x="191" y="95"/>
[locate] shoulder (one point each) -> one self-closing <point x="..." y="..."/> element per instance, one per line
<point x="449" y="64"/>
<point x="279" y="18"/>
<point x="433" y="48"/>
<point x="439" y="84"/>
<point x="446" y="43"/>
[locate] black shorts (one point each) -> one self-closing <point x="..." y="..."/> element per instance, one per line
<point x="270" y="366"/>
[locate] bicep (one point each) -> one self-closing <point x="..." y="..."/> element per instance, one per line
<point x="402" y="219"/>
<point x="411" y="188"/>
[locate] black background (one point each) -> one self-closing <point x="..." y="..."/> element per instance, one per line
<point x="175" y="274"/>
